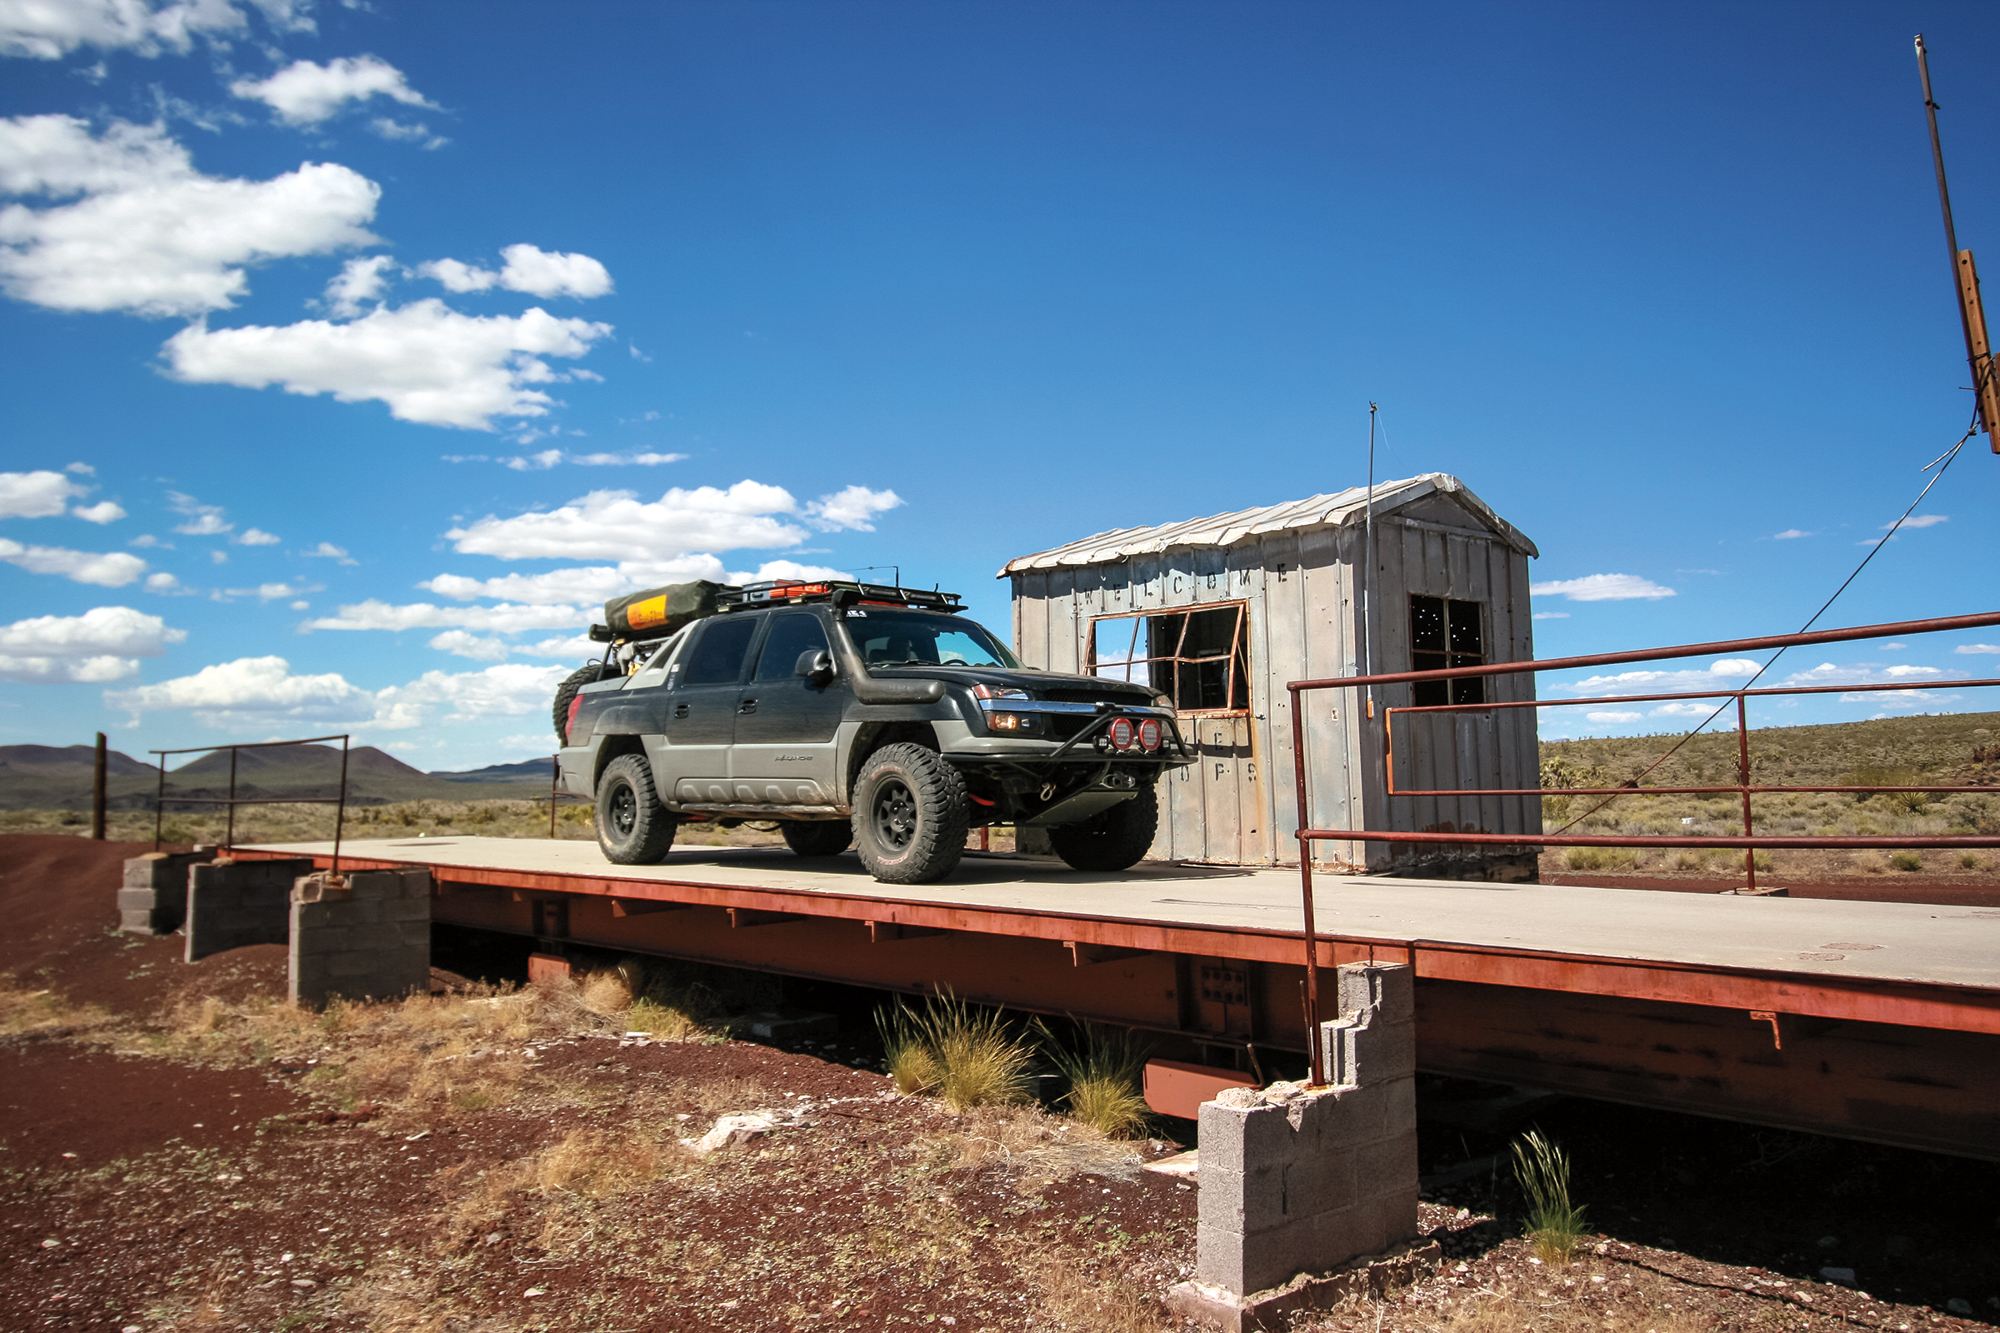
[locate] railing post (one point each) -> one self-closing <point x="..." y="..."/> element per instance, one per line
<point x="555" y="774"/>
<point x="159" y="798"/>
<point x="1743" y="773"/>
<point x="1313" y="1041"/>
<point x="229" y="829"/>
<point x="339" y="813"/>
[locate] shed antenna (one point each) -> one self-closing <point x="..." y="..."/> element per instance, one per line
<point x="1965" y="279"/>
<point x="1368" y="569"/>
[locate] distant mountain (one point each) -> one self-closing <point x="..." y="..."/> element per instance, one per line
<point x="47" y="777"/>
<point x="63" y="760"/>
<point x="528" y="770"/>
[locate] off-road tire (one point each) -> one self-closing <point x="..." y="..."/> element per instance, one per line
<point x="1112" y="839"/>
<point x="576" y="680"/>
<point x="909" y="815"/>
<point x="817" y="837"/>
<point x="633" y="828"/>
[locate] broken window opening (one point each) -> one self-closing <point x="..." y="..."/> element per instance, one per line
<point x="1446" y="633"/>
<point x="1196" y="657"/>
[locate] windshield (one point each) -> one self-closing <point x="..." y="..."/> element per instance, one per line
<point x="921" y="638"/>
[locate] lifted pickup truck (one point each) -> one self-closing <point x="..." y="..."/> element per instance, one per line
<point x="859" y="714"/>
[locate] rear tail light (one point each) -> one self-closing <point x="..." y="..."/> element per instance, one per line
<point x="1149" y="735"/>
<point x="569" y="723"/>
<point x="1121" y="733"/>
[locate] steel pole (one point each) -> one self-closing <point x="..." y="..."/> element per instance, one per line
<point x="1743" y="772"/>
<point x="97" y="782"/>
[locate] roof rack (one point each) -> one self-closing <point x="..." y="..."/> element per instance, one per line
<point x="840" y="592"/>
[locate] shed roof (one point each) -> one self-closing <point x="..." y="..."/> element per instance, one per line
<point x="1318" y="511"/>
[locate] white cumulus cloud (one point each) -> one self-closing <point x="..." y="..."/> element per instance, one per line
<point x="104" y="511"/>
<point x="427" y="362"/>
<point x="617" y="525"/>
<point x="256" y="537"/>
<point x="1720" y="675"/>
<point x="51" y="29"/>
<point x="1612" y="717"/>
<point x="504" y="619"/>
<point x="548" y="458"/>
<point x="262" y="692"/>
<point x="38" y="494"/>
<point x="149" y="233"/>
<point x="1602" y="588"/>
<point x="543" y="273"/>
<point x="1977" y="648"/>
<point x="305" y="93"/>
<point x="852" y="507"/>
<point x="462" y="644"/>
<point x="97" y="647"/>
<point x="361" y="279"/>
<point x="202" y="520"/>
<point x="1687" y="709"/>
<point x="328" y="551"/>
<point x="1790" y="534"/>
<point x="106" y="570"/>
<point x="1920" y="521"/>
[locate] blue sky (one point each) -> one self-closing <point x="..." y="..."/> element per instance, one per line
<point x="571" y="299"/>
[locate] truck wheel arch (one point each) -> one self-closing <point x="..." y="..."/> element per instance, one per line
<point x="874" y="735"/>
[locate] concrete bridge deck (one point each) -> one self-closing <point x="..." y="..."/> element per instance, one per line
<point x="1878" y="1020"/>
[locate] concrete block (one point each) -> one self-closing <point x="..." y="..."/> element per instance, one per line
<point x="163" y="877"/>
<point x="231" y="904"/>
<point x="367" y="937"/>
<point x="1387" y="1167"/>
<point x="1301" y="1181"/>
<point x="1275" y="1307"/>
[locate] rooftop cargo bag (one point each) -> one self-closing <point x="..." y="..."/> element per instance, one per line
<point x="658" y="612"/>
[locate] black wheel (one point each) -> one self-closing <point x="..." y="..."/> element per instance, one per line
<point x="632" y="827"/>
<point x="1111" y="839"/>
<point x="576" y="680"/>
<point x="817" y="837"/>
<point x="909" y="815"/>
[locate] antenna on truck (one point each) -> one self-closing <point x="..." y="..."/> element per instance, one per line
<point x="1965" y="279"/>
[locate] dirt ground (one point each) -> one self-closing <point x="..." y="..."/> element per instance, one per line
<point x="179" y="1150"/>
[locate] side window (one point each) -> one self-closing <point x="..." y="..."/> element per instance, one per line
<point x="1196" y="657"/>
<point x="791" y="634"/>
<point x="717" y="656"/>
<point x="1446" y="633"/>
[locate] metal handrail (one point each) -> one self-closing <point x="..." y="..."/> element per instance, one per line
<point x="229" y="835"/>
<point x="1748" y="842"/>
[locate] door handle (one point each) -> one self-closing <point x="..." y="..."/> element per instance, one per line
<point x="680" y="710"/>
<point x="747" y="706"/>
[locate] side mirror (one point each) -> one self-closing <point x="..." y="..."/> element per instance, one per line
<point x="816" y="665"/>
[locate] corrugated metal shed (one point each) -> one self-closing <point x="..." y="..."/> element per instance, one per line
<point x="1317" y="511"/>
<point x="1283" y="584"/>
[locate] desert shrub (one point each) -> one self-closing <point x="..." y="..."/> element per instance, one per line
<point x="1106" y="1081"/>
<point x="1542" y="1171"/>
<point x="1969" y="860"/>
<point x="1907" y="861"/>
<point x="1601" y="858"/>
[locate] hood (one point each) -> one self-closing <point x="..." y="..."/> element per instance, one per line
<point x="1038" y="683"/>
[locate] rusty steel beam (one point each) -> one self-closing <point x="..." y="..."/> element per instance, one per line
<point x="1955" y="1008"/>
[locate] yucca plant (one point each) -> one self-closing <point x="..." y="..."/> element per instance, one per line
<point x="1106" y="1080"/>
<point x="1554" y="1223"/>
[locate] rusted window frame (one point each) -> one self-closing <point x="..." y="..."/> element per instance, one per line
<point x="1451" y="658"/>
<point x="1239" y="651"/>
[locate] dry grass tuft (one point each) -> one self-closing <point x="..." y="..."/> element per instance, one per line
<point x="1065" y="1295"/>
<point x="46" y="1013"/>
<point x="1106" y="1081"/>
<point x="1554" y="1223"/>
<point x="972" y="1055"/>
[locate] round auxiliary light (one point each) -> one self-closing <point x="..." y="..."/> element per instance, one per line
<point x="1121" y="733"/>
<point x="1149" y="735"/>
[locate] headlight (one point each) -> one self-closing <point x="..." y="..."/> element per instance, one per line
<point x="997" y="692"/>
<point x="1165" y="701"/>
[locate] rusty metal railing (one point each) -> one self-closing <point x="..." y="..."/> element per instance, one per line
<point x="339" y="802"/>
<point x="1748" y="841"/>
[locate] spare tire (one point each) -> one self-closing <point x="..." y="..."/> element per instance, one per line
<point x="588" y="674"/>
